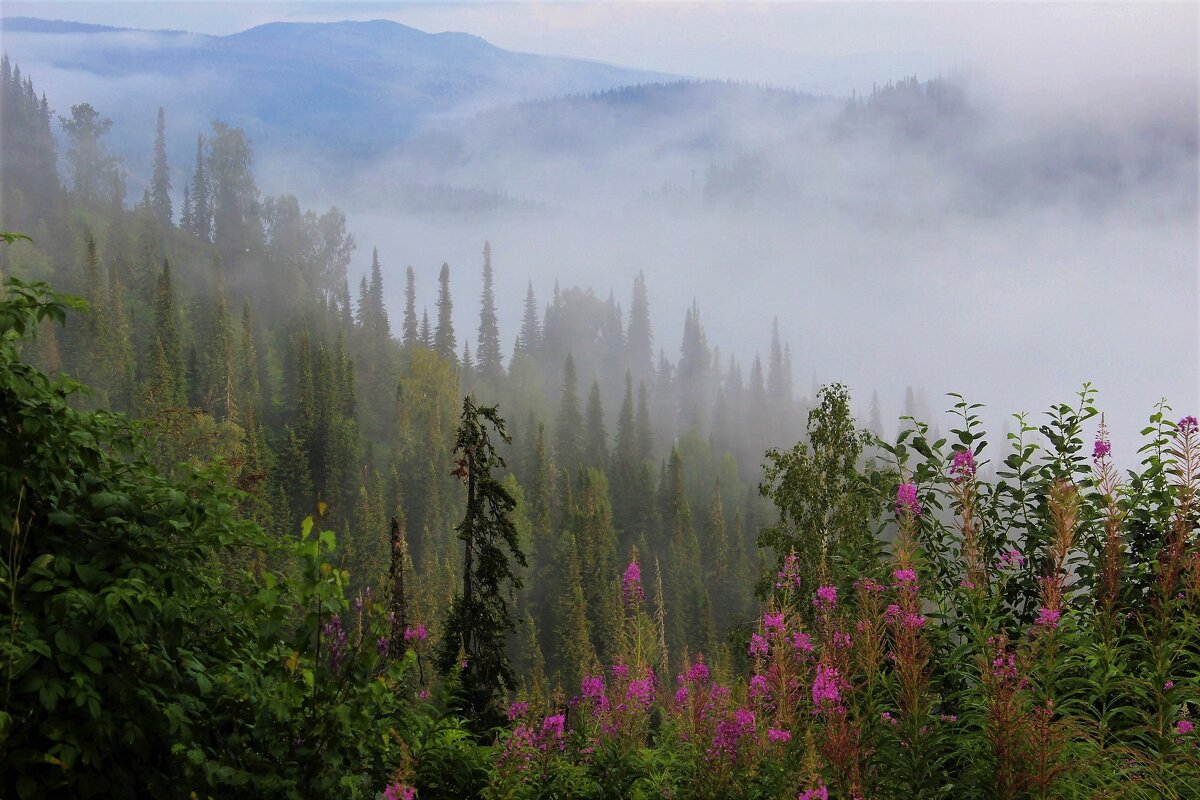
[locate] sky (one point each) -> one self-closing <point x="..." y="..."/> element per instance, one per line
<point x="826" y="48"/>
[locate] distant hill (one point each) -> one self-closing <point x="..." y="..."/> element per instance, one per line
<point x="359" y="87"/>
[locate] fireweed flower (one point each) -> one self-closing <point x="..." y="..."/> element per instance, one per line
<point x="802" y="642"/>
<point x="819" y="793"/>
<point x="592" y="688"/>
<point x="335" y="637"/>
<point x="552" y="732"/>
<point x="698" y="673"/>
<point x="758" y="686"/>
<point x="381" y="646"/>
<point x="1188" y="425"/>
<point x="777" y="735"/>
<point x="773" y="623"/>
<point x="1100" y="450"/>
<point x="906" y="500"/>
<point x="1185" y="726"/>
<point x="1048" y="618"/>
<point x="790" y="574"/>
<point x="963" y="465"/>
<point x="631" y="585"/>
<point x="826" y="597"/>
<point x="517" y="710"/>
<point x="1010" y="560"/>
<point x="758" y="645"/>
<point x="640" y="693"/>
<point x="904" y="576"/>
<point x="730" y="731"/>
<point x="826" y="689"/>
<point x="397" y="791"/>
<point x="419" y="633"/>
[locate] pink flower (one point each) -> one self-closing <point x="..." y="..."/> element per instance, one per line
<point x="641" y="692"/>
<point x="758" y="686"/>
<point x="631" y="585"/>
<point x="826" y="689"/>
<point x="517" y="710"/>
<point x="777" y="735"/>
<point x="1011" y="560"/>
<point x="419" y="633"/>
<point x="552" y="731"/>
<point x="396" y="791"/>
<point x="790" y="574"/>
<point x="1185" y="726"/>
<point x="819" y="793"/>
<point x="826" y="597"/>
<point x="681" y="695"/>
<point x="888" y="718"/>
<point x="592" y="687"/>
<point x="802" y="642"/>
<point x="966" y="584"/>
<point x="904" y="576"/>
<point x="1048" y="618"/>
<point x="423" y="695"/>
<point x="1188" y="425"/>
<point x="758" y="645"/>
<point x="1100" y="450"/>
<point x="773" y="623"/>
<point x="906" y="500"/>
<point x="868" y="585"/>
<point x="963" y="465"/>
<point x="698" y="673"/>
<point x="1169" y="685"/>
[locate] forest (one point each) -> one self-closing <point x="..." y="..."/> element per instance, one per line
<point x="266" y="537"/>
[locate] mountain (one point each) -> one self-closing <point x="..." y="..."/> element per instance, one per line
<point x="356" y="87"/>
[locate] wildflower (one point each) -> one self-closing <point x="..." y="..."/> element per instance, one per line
<point x="681" y="695"/>
<point x="592" y="687"/>
<point x="335" y="636"/>
<point x="1188" y="425"/>
<point x="1169" y="685"/>
<point x="758" y="645"/>
<point x="892" y="612"/>
<point x="948" y="718"/>
<point x="841" y="639"/>
<point x="906" y="500"/>
<point x="1100" y="450"/>
<point x="552" y="730"/>
<point x="1048" y="617"/>
<point x="620" y="671"/>
<point x="423" y="695"/>
<point x="888" y="718"/>
<point x="1185" y="726"/>
<point x="819" y="793"/>
<point x="802" y="642"/>
<point x="758" y="686"/>
<point x="517" y="710"/>
<point x="641" y="692"/>
<point x="905" y="576"/>
<point x="773" y="622"/>
<point x="826" y="597"/>
<point x="963" y="465"/>
<point x="419" y="633"/>
<point x="914" y="620"/>
<point x="631" y="585"/>
<point x="397" y="791"/>
<point x="698" y="673"/>
<point x="381" y="646"/>
<point x="826" y="690"/>
<point x="777" y="735"/>
<point x="790" y="574"/>
<point x="966" y="584"/>
<point x="1011" y="560"/>
<point x="868" y="585"/>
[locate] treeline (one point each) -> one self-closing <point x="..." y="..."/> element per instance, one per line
<point x="228" y="324"/>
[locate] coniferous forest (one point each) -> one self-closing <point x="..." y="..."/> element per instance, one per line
<point x="265" y="536"/>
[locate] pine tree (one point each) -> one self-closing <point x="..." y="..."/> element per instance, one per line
<point x="479" y="618"/>
<point x="530" y="339"/>
<point x="692" y="375"/>
<point x="444" y="343"/>
<point x="568" y="440"/>
<point x="425" y="336"/>
<point x="166" y="332"/>
<point x="185" y="211"/>
<point x="377" y="323"/>
<point x="639" y="339"/>
<point x="490" y="367"/>
<point x="201" y="196"/>
<point x="595" y="437"/>
<point x="160" y="183"/>
<point x="644" y="441"/>
<point x="411" y="336"/>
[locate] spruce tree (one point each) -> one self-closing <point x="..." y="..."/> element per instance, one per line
<point x="488" y="351"/>
<point x="639" y="342"/>
<point x="568" y="440"/>
<point x="530" y="339"/>
<point x="595" y="437"/>
<point x="411" y="336"/>
<point x="201" y="196"/>
<point x="479" y="619"/>
<point x="160" y="182"/>
<point x="425" y="336"/>
<point x="444" y="343"/>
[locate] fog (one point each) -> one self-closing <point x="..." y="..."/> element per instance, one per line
<point x="1027" y="224"/>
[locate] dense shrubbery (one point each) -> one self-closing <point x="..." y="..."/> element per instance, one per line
<point x="1031" y="634"/>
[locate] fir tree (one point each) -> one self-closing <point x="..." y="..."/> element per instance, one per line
<point x="479" y="618"/>
<point x="94" y="172"/>
<point x="595" y="437"/>
<point x="568" y="441"/>
<point x="166" y="332"/>
<point x="444" y="343"/>
<point x="530" y="339"/>
<point x="425" y="337"/>
<point x="411" y="336"/>
<point x="488" y="351"/>
<point x="202" y="210"/>
<point x="639" y="339"/>
<point x="160" y="183"/>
